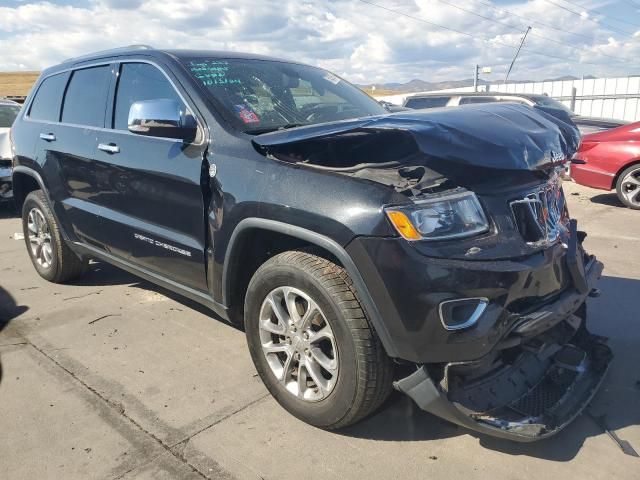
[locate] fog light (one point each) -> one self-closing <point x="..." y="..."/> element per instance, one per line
<point x="462" y="313"/>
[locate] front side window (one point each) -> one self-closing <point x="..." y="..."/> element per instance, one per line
<point x="258" y="96"/>
<point x="8" y="114"/>
<point x="46" y="103"/>
<point x="138" y="82"/>
<point x="85" y="100"/>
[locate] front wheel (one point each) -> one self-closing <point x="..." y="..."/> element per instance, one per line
<point x="628" y="187"/>
<point x="311" y="342"/>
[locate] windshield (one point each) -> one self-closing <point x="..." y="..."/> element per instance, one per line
<point x="259" y="96"/>
<point x="8" y="114"/>
<point x="550" y="102"/>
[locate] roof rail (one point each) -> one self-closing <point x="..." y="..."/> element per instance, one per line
<point x="111" y="51"/>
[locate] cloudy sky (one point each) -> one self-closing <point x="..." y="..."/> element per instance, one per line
<point x="362" y="40"/>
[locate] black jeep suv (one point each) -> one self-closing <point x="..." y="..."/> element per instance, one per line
<point x="429" y="251"/>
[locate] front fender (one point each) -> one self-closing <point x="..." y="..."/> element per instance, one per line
<point x="325" y="243"/>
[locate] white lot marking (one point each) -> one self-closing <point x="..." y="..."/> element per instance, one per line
<point x="18" y="236"/>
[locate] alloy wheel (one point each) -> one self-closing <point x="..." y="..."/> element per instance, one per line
<point x="631" y="187"/>
<point x="40" y="238"/>
<point x="298" y="344"/>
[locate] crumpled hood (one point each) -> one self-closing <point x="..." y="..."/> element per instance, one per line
<point x="500" y="136"/>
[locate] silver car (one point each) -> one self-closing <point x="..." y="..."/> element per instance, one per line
<point x="8" y="112"/>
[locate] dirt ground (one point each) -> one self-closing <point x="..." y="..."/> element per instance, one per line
<point x="112" y="377"/>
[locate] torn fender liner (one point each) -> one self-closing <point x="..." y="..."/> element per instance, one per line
<point x="500" y="136"/>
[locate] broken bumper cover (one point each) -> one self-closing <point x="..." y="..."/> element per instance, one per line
<point x="536" y="380"/>
<point x="561" y="394"/>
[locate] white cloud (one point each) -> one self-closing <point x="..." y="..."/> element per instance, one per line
<point x="359" y="41"/>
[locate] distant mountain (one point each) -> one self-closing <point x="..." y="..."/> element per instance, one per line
<point x="417" y="85"/>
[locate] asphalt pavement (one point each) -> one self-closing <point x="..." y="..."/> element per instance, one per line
<point x="113" y="377"/>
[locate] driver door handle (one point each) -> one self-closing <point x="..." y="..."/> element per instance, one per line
<point x="49" y="137"/>
<point x="109" y="147"/>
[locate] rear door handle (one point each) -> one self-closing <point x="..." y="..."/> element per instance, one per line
<point x="49" y="137"/>
<point x="109" y="147"/>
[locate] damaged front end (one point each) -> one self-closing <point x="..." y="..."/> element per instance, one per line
<point x="494" y="314"/>
<point x="535" y="381"/>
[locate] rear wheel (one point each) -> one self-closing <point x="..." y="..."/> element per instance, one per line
<point x="50" y="255"/>
<point x="628" y="187"/>
<point x="311" y="342"/>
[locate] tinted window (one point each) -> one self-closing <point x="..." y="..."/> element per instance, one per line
<point x="471" y="100"/>
<point x="258" y="96"/>
<point x="550" y="102"/>
<point x="8" y="114"/>
<point x="427" y="102"/>
<point x="46" y="104"/>
<point x="137" y="82"/>
<point x="86" y="97"/>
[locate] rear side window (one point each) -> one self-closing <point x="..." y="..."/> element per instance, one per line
<point x="138" y="82"/>
<point x="427" y="102"/>
<point x="471" y="100"/>
<point x="46" y="103"/>
<point x="86" y="97"/>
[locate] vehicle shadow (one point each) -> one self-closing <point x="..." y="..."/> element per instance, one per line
<point x="615" y="404"/>
<point x="102" y="274"/>
<point x="610" y="199"/>
<point x="8" y="311"/>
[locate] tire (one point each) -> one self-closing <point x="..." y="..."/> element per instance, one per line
<point x="629" y="181"/>
<point x="60" y="264"/>
<point x="362" y="378"/>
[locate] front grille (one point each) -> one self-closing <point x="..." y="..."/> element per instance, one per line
<point x="546" y="395"/>
<point x="541" y="216"/>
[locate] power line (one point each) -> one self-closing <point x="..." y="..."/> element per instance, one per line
<point x="611" y="17"/>
<point x="530" y="21"/>
<point x="598" y="22"/>
<point x="497" y="42"/>
<point x="519" y="30"/>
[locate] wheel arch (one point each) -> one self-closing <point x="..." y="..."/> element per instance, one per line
<point x="622" y="169"/>
<point x="25" y="180"/>
<point x="235" y="274"/>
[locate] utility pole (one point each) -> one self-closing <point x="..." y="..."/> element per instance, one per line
<point x="517" y="53"/>
<point x="475" y="78"/>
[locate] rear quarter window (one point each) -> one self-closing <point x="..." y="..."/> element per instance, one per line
<point x="48" y="97"/>
<point x="85" y="100"/>
<point x="427" y="102"/>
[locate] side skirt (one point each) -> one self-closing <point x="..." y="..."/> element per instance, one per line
<point x="195" y="295"/>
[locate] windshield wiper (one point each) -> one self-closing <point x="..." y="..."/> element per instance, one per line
<point x="259" y="131"/>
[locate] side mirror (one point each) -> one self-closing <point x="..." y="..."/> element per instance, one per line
<point x="162" y="117"/>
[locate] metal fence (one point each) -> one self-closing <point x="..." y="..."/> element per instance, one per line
<point x="617" y="97"/>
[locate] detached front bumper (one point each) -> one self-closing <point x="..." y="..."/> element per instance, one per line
<point x="535" y="397"/>
<point x="536" y="380"/>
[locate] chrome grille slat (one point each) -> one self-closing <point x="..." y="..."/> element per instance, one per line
<point x="539" y="214"/>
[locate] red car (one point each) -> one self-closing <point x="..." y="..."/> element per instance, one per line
<point x="611" y="159"/>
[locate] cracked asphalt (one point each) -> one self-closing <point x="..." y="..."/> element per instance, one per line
<point x="113" y="378"/>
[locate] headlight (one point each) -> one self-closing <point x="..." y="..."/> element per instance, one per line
<point x="452" y="216"/>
